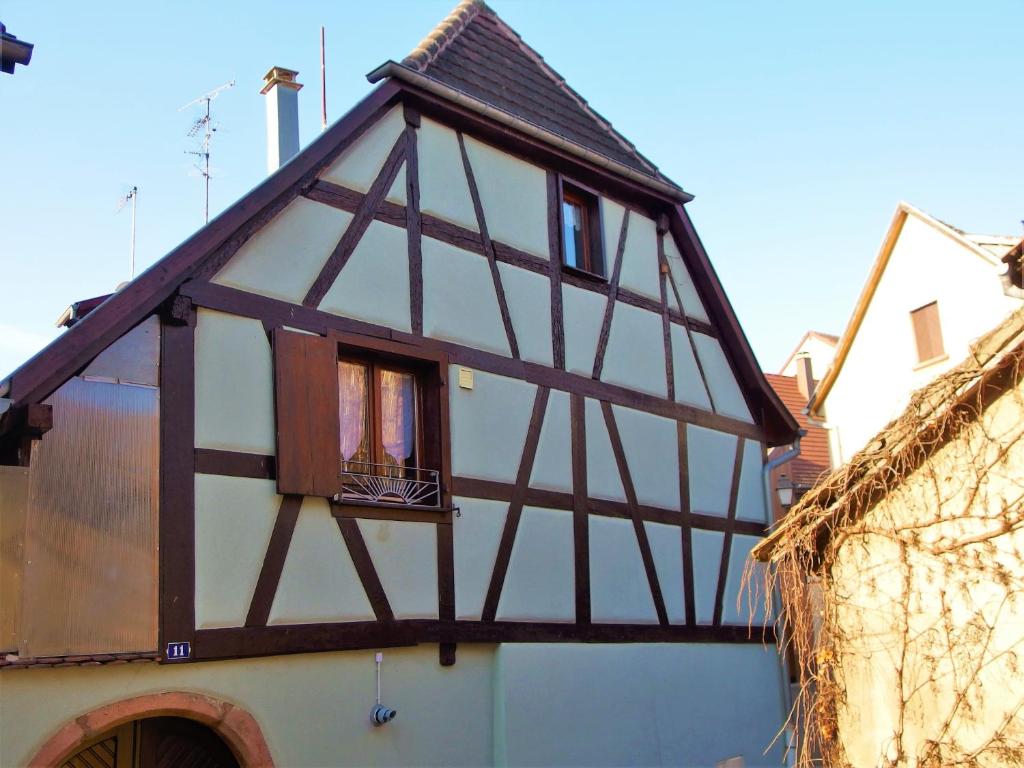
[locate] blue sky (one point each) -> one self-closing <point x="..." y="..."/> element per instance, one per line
<point x="798" y="126"/>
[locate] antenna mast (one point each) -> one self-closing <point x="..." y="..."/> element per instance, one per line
<point x="323" y="83"/>
<point x="205" y="125"/>
<point x="133" y="196"/>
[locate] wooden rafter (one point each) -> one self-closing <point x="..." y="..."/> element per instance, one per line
<point x="580" y="507"/>
<point x="413" y="222"/>
<point x="723" y="570"/>
<point x="364" y="568"/>
<point x="687" y="524"/>
<point x="613" y="292"/>
<point x="666" y="321"/>
<point x="177" y="482"/>
<point x="638" y="525"/>
<point x="273" y="561"/>
<point x="360" y="222"/>
<point x="555" y="273"/>
<point x="515" y="506"/>
<point x="481" y="220"/>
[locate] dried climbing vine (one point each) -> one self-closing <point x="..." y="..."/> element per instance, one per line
<point x="898" y="581"/>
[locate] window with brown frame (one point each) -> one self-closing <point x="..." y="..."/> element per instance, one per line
<point x="927" y="332"/>
<point x="360" y="420"/>
<point x="582" y="240"/>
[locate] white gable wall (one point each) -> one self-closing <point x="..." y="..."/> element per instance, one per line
<point x="881" y="368"/>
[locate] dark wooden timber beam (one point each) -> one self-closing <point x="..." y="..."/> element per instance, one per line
<point x="252" y="305"/>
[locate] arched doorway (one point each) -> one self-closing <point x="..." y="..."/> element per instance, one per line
<point x="155" y="742"/>
<point x="144" y="727"/>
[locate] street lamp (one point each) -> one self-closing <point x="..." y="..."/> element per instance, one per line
<point x="784" y="489"/>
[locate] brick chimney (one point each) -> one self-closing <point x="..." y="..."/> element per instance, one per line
<point x="282" y="92"/>
<point x="805" y="375"/>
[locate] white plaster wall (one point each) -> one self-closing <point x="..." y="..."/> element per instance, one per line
<point x="489" y="424"/>
<point x="635" y="357"/>
<point x="582" y="315"/>
<point x="405" y="558"/>
<point x="459" y="302"/>
<point x="552" y="466"/>
<point x="667" y="551"/>
<point x="639" y="705"/>
<point x="692" y="305"/>
<point x="640" y="258"/>
<point x="285" y="256"/>
<point x="651" y="445"/>
<point x="744" y="606"/>
<point x="234" y="384"/>
<point x="881" y="370"/>
<point x="689" y="383"/>
<point x="360" y="164"/>
<point x="619" y="590"/>
<point x="725" y="390"/>
<point x="540" y="582"/>
<point x="477" y="534"/>
<point x="374" y="285"/>
<point x="603" y="479"/>
<point x="444" y="191"/>
<point x="318" y="582"/>
<point x="707" y="562"/>
<point x="514" y="197"/>
<point x="711" y="456"/>
<point x="528" y="296"/>
<point x="312" y="708"/>
<point x="750" y="498"/>
<point x="241" y="511"/>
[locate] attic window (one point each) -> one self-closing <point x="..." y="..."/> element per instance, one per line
<point x="582" y="247"/>
<point x="927" y="332"/>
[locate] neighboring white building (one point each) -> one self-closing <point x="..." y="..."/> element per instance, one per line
<point x="819" y="347"/>
<point x="932" y="290"/>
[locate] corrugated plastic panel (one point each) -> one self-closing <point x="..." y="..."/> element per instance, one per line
<point x="90" y="581"/>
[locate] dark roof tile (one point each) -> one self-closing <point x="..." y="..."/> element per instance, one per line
<point x="476" y="52"/>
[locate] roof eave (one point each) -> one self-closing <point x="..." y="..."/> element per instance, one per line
<point x="400" y="72"/>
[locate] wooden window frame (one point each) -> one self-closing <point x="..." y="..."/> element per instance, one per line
<point x="433" y="437"/>
<point x="595" y="258"/>
<point x="307" y="419"/>
<point x="923" y="361"/>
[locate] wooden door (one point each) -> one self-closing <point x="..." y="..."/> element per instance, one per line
<point x="173" y="742"/>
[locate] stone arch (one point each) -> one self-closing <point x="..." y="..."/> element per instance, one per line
<point x="234" y="725"/>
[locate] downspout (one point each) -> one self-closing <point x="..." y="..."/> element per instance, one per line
<point x="766" y="487"/>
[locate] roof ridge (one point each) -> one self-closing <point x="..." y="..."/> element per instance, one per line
<point x="560" y="81"/>
<point x="431" y="46"/>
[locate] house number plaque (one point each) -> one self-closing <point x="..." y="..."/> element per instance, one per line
<point x="178" y="651"/>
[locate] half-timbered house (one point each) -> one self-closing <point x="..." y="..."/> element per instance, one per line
<point x="456" y="383"/>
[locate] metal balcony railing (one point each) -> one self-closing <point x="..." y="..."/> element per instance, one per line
<point x="366" y="482"/>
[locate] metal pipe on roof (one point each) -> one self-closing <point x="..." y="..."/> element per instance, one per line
<point x="399" y="72"/>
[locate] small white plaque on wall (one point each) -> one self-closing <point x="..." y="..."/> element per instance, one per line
<point x="466" y="378"/>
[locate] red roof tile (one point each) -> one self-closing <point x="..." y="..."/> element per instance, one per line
<point x="813" y="460"/>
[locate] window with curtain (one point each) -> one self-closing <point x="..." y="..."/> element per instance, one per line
<point x="378" y="414"/>
<point x="360" y="420"/>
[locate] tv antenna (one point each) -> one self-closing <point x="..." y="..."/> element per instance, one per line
<point x="131" y="196"/>
<point x="204" y="125"/>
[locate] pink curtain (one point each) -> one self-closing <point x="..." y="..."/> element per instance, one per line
<point x="398" y="416"/>
<point x="352" y="411"/>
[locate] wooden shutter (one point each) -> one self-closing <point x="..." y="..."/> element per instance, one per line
<point x="927" y="331"/>
<point x="306" y="403"/>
